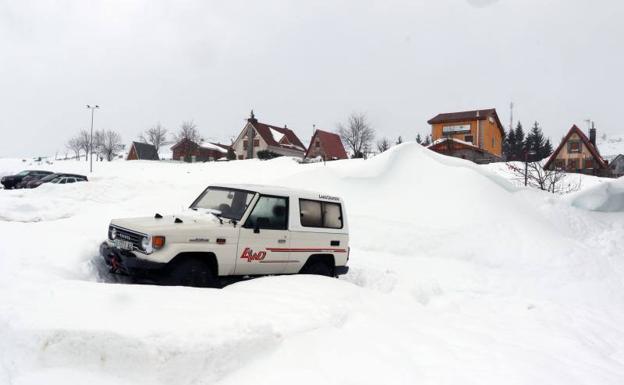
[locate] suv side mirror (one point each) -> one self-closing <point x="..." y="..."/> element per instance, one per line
<point x="261" y="222"/>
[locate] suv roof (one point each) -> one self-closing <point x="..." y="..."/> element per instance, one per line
<point x="279" y="190"/>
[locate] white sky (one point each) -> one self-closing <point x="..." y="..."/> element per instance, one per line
<point x="401" y="62"/>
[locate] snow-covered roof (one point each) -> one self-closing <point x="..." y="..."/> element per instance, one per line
<point x="277" y="136"/>
<point x="212" y="146"/>
<point x="438" y="141"/>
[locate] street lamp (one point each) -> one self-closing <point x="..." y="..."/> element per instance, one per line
<point x="92" y="108"/>
<point x="526" y="164"/>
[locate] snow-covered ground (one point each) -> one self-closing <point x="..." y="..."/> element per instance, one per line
<point x="457" y="277"/>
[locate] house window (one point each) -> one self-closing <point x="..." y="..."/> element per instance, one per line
<point x="589" y="163"/>
<point x="468" y="138"/>
<point x="559" y="164"/>
<point x="493" y="142"/>
<point x="574" y="146"/>
<point x="317" y="144"/>
<point x="573" y="164"/>
<point x="240" y="157"/>
<point x="256" y="142"/>
<point x="245" y="144"/>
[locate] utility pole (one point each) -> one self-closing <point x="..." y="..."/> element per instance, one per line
<point x="92" y="108"/>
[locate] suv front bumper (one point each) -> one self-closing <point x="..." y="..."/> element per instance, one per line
<point x="126" y="262"/>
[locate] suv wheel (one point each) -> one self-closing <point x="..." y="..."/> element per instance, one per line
<point x="317" y="268"/>
<point x="190" y="272"/>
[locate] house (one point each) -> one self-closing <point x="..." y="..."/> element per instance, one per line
<point x="478" y="133"/>
<point x="143" y="151"/>
<point x="462" y="149"/>
<point x="187" y="150"/>
<point x="256" y="137"/>
<point x="326" y="145"/>
<point x="578" y="153"/>
<point x="616" y="166"/>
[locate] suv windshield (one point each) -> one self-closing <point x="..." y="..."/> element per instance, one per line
<point x="231" y="203"/>
<point x="23" y="173"/>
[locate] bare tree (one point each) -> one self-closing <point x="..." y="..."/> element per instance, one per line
<point x="551" y="180"/>
<point x="383" y="144"/>
<point x="156" y="135"/>
<point x="357" y="134"/>
<point x="84" y="138"/>
<point x="99" y="137"/>
<point x="74" y="146"/>
<point x="111" y="144"/>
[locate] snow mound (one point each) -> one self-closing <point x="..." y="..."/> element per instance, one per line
<point x="608" y="197"/>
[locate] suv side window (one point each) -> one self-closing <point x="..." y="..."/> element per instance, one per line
<point x="320" y="214"/>
<point x="71" y="180"/>
<point x="63" y="181"/>
<point x="269" y="213"/>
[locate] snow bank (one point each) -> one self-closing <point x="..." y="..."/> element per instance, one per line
<point x="457" y="277"/>
<point x="608" y="196"/>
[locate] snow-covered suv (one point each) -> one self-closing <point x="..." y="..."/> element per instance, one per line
<point x="234" y="230"/>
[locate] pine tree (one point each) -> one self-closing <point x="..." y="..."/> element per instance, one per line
<point x="517" y="149"/>
<point x="399" y="140"/>
<point x="508" y="144"/>
<point x="534" y="143"/>
<point x="427" y="140"/>
<point x="548" y="148"/>
<point x="418" y="139"/>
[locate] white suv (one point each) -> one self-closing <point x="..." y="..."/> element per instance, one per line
<point x="234" y="230"/>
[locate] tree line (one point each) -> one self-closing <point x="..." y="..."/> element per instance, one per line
<point x="106" y="144"/>
<point x="533" y="146"/>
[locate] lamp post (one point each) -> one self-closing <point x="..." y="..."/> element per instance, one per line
<point x="92" y="108"/>
<point x="526" y="164"/>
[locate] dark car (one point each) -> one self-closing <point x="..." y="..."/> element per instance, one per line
<point x="67" y="178"/>
<point x="13" y="181"/>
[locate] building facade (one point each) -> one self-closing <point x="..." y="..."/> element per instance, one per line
<point x="479" y="133"/>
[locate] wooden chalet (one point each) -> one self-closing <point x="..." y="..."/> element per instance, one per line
<point x="578" y="153"/>
<point x="188" y="151"/>
<point x="326" y="145"/>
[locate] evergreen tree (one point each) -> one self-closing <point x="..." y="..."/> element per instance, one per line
<point x="548" y="148"/>
<point x="517" y="149"/>
<point x="534" y="143"/>
<point x="508" y="144"/>
<point x="399" y="140"/>
<point x="427" y="140"/>
<point x="418" y="139"/>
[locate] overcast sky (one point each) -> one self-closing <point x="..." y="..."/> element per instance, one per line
<point x="400" y="62"/>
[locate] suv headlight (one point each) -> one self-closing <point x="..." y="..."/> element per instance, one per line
<point x="146" y="244"/>
<point x="113" y="233"/>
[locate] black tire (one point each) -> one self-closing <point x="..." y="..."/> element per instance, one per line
<point x="190" y="272"/>
<point x="317" y="268"/>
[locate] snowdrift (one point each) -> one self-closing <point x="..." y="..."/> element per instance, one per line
<point x="456" y="277"/>
<point x="608" y="196"/>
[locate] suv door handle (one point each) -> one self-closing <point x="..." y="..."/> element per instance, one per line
<point x="281" y="241"/>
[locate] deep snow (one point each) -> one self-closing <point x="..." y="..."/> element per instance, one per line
<point x="457" y="277"/>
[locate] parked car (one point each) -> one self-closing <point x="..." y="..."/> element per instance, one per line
<point x="52" y="178"/>
<point x="234" y="230"/>
<point x="13" y="181"/>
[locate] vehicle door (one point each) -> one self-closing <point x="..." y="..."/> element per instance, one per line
<point x="264" y="238"/>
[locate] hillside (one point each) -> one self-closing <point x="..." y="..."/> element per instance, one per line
<point x="457" y="277"/>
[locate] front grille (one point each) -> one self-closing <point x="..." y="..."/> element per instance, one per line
<point x="127" y="235"/>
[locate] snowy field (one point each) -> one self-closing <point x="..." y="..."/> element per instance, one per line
<point x="457" y="277"/>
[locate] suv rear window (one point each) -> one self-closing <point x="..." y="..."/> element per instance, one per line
<point x="320" y="214"/>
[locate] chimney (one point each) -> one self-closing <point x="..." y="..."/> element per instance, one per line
<point x="252" y="118"/>
<point x="592" y="134"/>
<point x="250" y="135"/>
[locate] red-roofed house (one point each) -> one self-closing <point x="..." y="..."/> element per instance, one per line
<point x="256" y="137"/>
<point x="326" y="145"/>
<point x="578" y="153"/>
